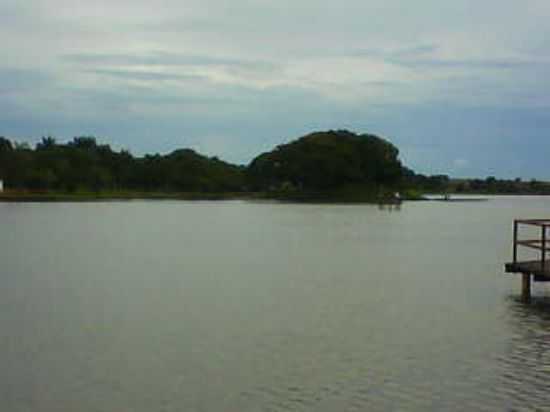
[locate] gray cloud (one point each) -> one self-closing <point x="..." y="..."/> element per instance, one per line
<point x="144" y="75"/>
<point x="425" y="56"/>
<point x="496" y="63"/>
<point x="163" y="59"/>
<point x="416" y="51"/>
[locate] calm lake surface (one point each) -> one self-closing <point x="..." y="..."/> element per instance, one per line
<point x="241" y="306"/>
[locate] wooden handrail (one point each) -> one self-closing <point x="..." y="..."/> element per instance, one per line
<point x="534" y="222"/>
<point x="538" y="244"/>
<point x="543" y="249"/>
<point x="531" y="241"/>
<point x="516" y="241"/>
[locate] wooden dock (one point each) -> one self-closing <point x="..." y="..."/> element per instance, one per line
<point x="538" y="270"/>
<point x="532" y="267"/>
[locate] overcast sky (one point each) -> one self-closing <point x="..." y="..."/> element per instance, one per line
<point x="461" y="87"/>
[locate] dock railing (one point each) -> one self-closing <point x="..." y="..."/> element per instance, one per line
<point x="538" y="244"/>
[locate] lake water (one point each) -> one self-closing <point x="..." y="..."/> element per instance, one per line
<point x="241" y="306"/>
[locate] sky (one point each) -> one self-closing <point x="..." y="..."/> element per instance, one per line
<point x="460" y="87"/>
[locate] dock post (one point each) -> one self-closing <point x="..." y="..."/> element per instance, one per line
<point x="515" y="241"/>
<point x="526" y="287"/>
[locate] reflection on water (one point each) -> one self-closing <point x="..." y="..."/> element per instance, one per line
<point x="236" y="306"/>
<point x="390" y="207"/>
<point x="525" y="364"/>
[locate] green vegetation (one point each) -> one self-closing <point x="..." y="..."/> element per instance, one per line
<point x="332" y="166"/>
<point x="491" y="185"/>
<point x="488" y="186"/>
<point x="328" y="166"/>
<point x="83" y="166"/>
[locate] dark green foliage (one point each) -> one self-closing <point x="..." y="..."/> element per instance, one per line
<point x="492" y="185"/>
<point x="430" y="184"/>
<point x="5" y="145"/>
<point x="85" y="165"/>
<point x="327" y="161"/>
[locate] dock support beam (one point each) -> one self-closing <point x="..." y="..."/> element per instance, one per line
<point x="526" y="287"/>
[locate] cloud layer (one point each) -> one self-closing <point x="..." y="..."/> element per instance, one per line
<point x="460" y="88"/>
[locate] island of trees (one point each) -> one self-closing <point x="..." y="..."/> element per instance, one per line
<point x="321" y="166"/>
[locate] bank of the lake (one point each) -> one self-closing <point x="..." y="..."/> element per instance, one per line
<point x="344" y="195"/>
<point x="31" y="196"/>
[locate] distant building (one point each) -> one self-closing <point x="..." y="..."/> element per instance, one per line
<point x="1" y="185"/>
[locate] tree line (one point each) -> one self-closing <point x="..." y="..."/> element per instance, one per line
<point x="84" y="165"/>
<point x="318" y="162"/>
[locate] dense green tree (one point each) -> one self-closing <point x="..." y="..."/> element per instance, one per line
<point x="5" y="145"/>
<point x="326" y="161"/>
<point x="46" y="143"/>
<point x="84" y="165"/>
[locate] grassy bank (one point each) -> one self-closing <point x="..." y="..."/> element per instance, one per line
<point x="345" y="195"/>
<point x="29" y="196"/>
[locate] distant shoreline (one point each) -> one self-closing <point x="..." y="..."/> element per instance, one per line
<point x="293" y="197"/>
<point x="110" y="196"/>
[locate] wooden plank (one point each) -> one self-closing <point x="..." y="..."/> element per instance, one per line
<point x="534" y="222"/>
<point x="533" y="244"/>
<point x="532" y="267"/>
